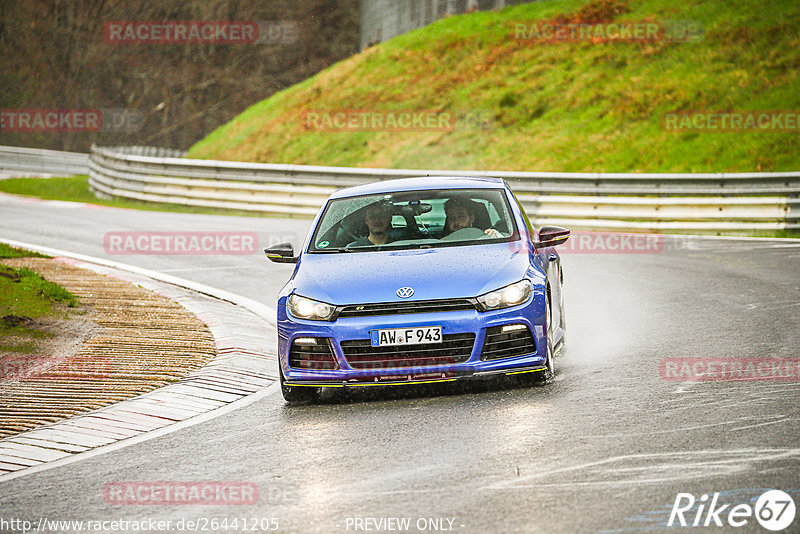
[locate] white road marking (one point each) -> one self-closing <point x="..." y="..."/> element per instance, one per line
<point x="267" y="313"/>
<point x="785" y="418"/>
<point x="658" y="468"/>
<point x="201" y="396"/>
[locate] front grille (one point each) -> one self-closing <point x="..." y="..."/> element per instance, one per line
<point x="399" y="308"/>
<point x="317" y="356"/>
<point x="455" y="348"/>
<point x="499" y="344"/>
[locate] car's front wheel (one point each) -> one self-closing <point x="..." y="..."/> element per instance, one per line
<point x="550" y="372"/>
<point x="540" y="377"/>
<point x="298" y="393"/>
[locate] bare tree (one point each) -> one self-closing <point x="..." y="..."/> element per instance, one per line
<point x="55" y="56"/>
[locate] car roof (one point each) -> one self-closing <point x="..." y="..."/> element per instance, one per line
<point x="421" y="183"/>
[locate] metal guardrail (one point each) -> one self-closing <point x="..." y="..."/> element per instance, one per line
<point x="695" y="203"/>
<point x="21" y="160"/>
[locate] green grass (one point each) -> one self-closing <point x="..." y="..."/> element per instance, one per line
<point x="7" y="251"/>
<point x="76" y="189"/>
<point x="20" y="340"/>
<point x="24" y="295"/>
<point x="573" y="107"/>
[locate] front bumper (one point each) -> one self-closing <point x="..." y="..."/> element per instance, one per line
<point x="530" y="314"/>
<point x="399" y="380"/>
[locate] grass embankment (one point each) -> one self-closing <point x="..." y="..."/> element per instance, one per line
<point x="574" y="107"/>
<point x="24" y="298"/>
<point x="526" y="104"/>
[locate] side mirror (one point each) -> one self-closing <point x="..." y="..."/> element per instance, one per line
<point x="551" y="236"/>
<point x="281" y="253"/>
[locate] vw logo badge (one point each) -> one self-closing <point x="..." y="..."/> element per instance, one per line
<point x="405" y="292"/>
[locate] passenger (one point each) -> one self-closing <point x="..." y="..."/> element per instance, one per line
<point x="461" y="214"/>
<point x="379" y="221"/>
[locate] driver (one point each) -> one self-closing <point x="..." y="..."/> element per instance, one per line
<point x="379" y="221"/>
<point x="460" y="214"/>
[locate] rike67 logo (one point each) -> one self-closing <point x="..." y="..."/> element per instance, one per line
<point x="774" y="510"/>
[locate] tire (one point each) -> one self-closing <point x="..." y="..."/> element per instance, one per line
<point x="298" y="393"/>
<point x="542" y="377"/>
<point x="563" y="321"/>
<point x="550" y="362"/>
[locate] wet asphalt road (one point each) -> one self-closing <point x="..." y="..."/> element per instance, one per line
<point x="606" y="447"/>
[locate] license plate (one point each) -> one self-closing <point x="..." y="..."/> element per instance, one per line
<point x="413" y="335"/>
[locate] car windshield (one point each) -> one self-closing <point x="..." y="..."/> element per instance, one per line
<point x="414" y="219"/>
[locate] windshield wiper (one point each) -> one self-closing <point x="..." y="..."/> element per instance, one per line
<point x="374" y="248"/>
<point x="332" y="250"/>
<point x="405" y="246"/>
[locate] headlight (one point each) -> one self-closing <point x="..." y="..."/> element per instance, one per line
<point x="511" y="295"/>
<point x="313" y="310"/>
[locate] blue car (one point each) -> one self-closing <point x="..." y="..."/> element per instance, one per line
<point x="419" y="280"/>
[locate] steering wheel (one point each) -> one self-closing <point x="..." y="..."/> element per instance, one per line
<point x="464" y="234"/>
<point x="348" y="233"/>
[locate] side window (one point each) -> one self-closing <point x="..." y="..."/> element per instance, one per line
<point x="493" y="215"/>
